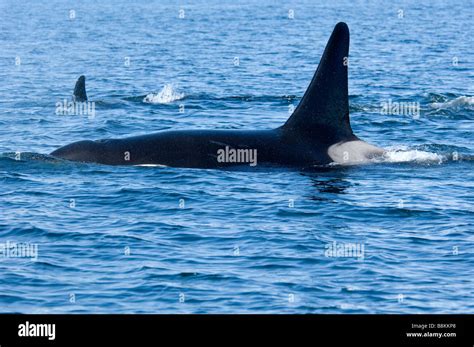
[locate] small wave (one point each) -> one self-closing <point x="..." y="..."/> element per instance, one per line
<point x="164" y="96"/>
<point x="459" y="102"/>
<point x="250" y="98"/>
<point x="28" y="156"/>
<point x="405" y="155"/>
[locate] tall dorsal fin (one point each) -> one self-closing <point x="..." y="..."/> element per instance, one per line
<point x="323" y="112"/>
<point x="80" y="90"/>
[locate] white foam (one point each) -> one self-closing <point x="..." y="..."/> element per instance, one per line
<point x="405" y="155"/>
<point x="455" y="103"/>
<point x="164" y="96"/>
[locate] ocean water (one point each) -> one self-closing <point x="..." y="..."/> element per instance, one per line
<point x="105" y="239"/>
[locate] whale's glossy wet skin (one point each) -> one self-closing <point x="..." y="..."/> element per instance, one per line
<point x="198" y="148"/>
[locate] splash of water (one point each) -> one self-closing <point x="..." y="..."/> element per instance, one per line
<point x="165" y="96"/>
<point x="403" y="154"/>
<point x="459" y="102"/>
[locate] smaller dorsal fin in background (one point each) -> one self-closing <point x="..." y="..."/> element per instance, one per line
<point x="80" y="89"/>
<point x="323" y="112"/>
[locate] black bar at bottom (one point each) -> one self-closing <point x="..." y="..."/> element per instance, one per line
<point x="59" y="330"/>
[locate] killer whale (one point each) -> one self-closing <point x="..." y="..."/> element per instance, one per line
<point x="317" y="133"/>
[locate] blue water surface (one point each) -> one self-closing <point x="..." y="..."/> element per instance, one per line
<point x="165" y="240"/>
